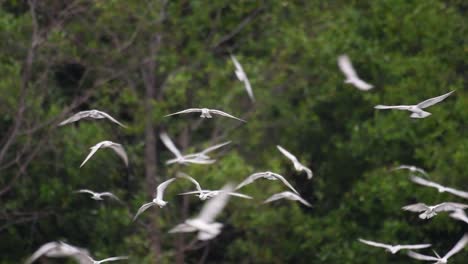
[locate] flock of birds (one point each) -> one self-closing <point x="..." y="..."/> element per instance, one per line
<point x="204" y="223"/>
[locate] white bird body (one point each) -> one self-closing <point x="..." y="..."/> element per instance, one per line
<point x="417" y="110"/>
<point x="179" y="157"/>
<point x="204" y="222"/>
<point x="267" y="175"/>
<point x="208" y="194"/>
<point x="98" y="196"/>
<point x="206" y="113"/>
<point x="58" y="250"/>
<point x="351" y="76"/>
<point x="158" y="199"/>
<point x="287" y="195"/>
<point x="90" y="114"/>
<point x="242" y="76"/>
<point x="297" y="165"/>
<point x="411" y="168"/>
<point x="439" y="260"/>
<point x="117" y="148"/>
<point x="439" y="187"/>
<point x="197" y="157"/>
<point x="393" y="248"/>
<point x="431" y="211"/>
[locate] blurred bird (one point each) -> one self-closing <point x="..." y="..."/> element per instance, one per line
<point x="459" y="215"/>
<point x="240" y="73"/>
<point x="117" y="148"/>
<point x="351" y="76"/>
<point x="199" y="156"/>
<point x="289" y="196"/>
<point x="90" y="114"/>
<point x="179" y="158"/>
<point x="206" y="113"/>
<point x="393" y="249"/>
<point x="204" y="222"/>
<point x="459" y="246"/>
<point x="158" y="200"/>
<point x="98" y="196"/>
<point x="417" y="110"/>
<point x="430" y="211"/>
<point x="267" y="175"/>
<point x="439" y="187"/>
<point x="208" y="194"/>
<point x="411" y="169"/>
<point x="297" y="165"/>
<point x="59" y="250"/>
<point x="106" y="260"/>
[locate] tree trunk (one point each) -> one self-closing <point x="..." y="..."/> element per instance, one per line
<point x="151" y="179"/>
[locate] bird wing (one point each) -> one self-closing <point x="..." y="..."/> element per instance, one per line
<point x="309" y="172"/>
<point x="418" y="207"/>
<point x="182" y="228"/>
<point x="425" y="182"/>
<point x="218" y="112"/>
<point x="142" y="209"/>
<point x="74" y="118"/>
<point x="209" y="149"/>
<point x="193" y="192"/>
<point x="111" y="195"/>
<point x="186" y="111"/>
<point x="458" y="192"/>
<point x="302" y="200"/>
<point x="199" y="161"/>
<point x="120" y="151"/>
<point x="85" y="191"/>
<point x="240" y="195"/>
<point x="418" y="246"/>
<point x="106" y="115"/>
<point x="215" y="205"/>
<point x="275" y="197"/>
<point x="236" y="63"/>
<point x="161" y="187"/>
<point x="41" y="251"/>
<point x="345" y="65"/>
<point x="248" y="88"/>
<point x="459" y="246"/>
<point x="398" y="107"/>
<point x="374" y="244"/>
<point x="169" y="144"/>
<point x="250" y="179"/>
<point x="281" y="178"/>
<point x="433" y="101"/>
<point x="401" y="167"/>
<point x="91" y="153"/>
<point x="444" y="207"/>
<point x="418" y="256"/>
<point x="188" y="177"/>
<point x="362" y="85"/>
<point x="112" y="259"/>
<point x="287" y="154"/>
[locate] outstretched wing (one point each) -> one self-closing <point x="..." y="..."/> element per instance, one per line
<point x="240" y="195"/>
<point x="142" y="209"/>
<point x="186" y="111"/>
<point x="281" y="178"/>
<point x="433" y="101"/>
<point x="275" y="197"/>
<point x="345" y="65"/>
<point x="218" y="112"/>
<point x="120" y="151"/>
<point x="250" y="179"/>
<point x="418" y="207"/>
<point x="169" y="144"/>
<point x="287" y="154"/>
<point x="41" y="251"/>
<point x="113" y="259"/>
<point x="419" y="246"/>
<point x="91" y="153"/>
<point x="459" y="193"/>
<point x="397" y="107"/>
<point x="444" y="207"/>
<point x="459" y="246"/>
<point x="161" y="187"/>
<point x="111" y="195"/>
<point x="418" y="256"/>
<point x="215" y="205"/>
<point x="186" y="176"/>
<point x="374" y="244"/>
<point x="215" y="147"/>
<point x="106" y="115"/>
<point x="425" y="182"/>
<point x="74" y="118"/>
<point x="85" y="191"/>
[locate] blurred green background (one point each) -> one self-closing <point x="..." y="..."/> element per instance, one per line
<point x="140" y="60"/>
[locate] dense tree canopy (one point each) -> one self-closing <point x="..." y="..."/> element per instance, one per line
<point x="141" y="60"/>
